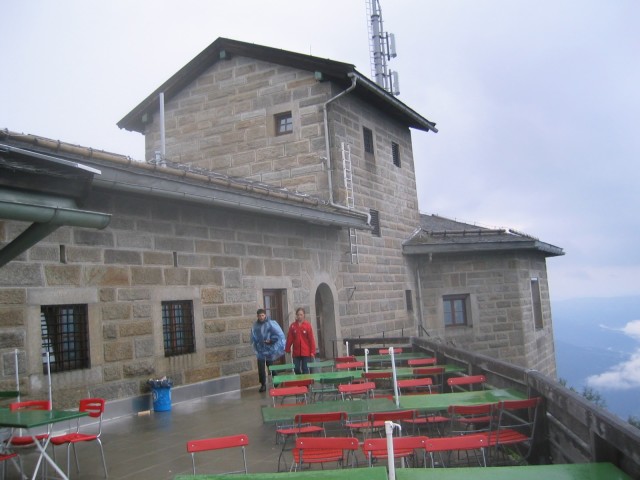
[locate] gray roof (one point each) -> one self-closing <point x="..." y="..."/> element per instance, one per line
<point x="438" y="234"/>
<point x="223" y="48"/>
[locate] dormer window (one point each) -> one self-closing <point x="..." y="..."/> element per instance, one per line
<point x="284" y="123"/>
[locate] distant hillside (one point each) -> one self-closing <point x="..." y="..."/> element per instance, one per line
<point x="588" y="344"/>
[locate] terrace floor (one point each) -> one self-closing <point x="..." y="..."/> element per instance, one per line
<point x="153" y="445"/>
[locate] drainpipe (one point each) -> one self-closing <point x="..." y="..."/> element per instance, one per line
<point x="325" y="111"/>
<point x="419" y="301"/>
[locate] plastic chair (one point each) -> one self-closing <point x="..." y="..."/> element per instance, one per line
<point x="349" y="366"/>
<point x="421" y="362"/>
<point x="382" y="380"/>
<point x="516" y="427"/>
<point x="351" y="390"/>
<point x="461" y="443"/>
<point x="385" y="351"/>
<point x="415" y="386"/>
<point x="437" y="373"/>
<point x="308" y="424"/>
<point x="310" y="450"/>
<point x="404" y="448"/>
<point x="375" y="421"/>
<point x="467" y="419"/>
<point x="95" y="408"/>
<point x="459" y="383"/>
<point x="281" y="393"/>
<point x="26" y="441"/>
<point x="209" y="444"/>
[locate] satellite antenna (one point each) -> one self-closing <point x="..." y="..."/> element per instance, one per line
<point x="382" y="46"/>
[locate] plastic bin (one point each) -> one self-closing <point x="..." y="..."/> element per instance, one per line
<point x="161" y="399"/>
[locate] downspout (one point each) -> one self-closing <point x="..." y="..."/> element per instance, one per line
<point x="354" y="80"/>
<point x="419" y="301"/>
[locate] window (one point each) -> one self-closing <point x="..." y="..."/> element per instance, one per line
<point x="65" y="337"/>
<point x="536" y="303"/>
<point x="408" y="300"/>
<point x="284" y="123"/>
<point x="367" y="136"/>
<point x="455" y="310"/>
<point x="177" y="327"/>
<point x="375" y="222"/>
<point x="395" y="154"/>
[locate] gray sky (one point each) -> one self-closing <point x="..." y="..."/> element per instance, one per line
<point x="536" y="101"/>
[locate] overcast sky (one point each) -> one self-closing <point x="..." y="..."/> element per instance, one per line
<point x="537" y="102"/>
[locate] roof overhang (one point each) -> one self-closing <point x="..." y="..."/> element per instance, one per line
<point x="430" y="249"/>
<point x="42" y="190"/>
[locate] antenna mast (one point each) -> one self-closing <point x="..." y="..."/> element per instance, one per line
<point x="382" y="46"/>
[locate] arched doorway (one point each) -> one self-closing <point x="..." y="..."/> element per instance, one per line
<point x="325" y="321"/>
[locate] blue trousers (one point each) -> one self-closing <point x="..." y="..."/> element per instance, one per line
<point x="301" y="364"/>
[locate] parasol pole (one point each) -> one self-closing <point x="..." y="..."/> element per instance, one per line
<point x="395" y="376"/>
<point x="49" y="378"/>
<point x="366" y="359"/>
<point x="17" y="373"/>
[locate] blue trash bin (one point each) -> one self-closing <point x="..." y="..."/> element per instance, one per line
<point x="161" y="399"/>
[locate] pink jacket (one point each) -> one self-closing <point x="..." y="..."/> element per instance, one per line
<point x="300" y="337"/>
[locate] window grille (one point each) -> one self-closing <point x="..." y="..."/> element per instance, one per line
<point x="367" y="136"/>
<point x="375" y="222"/>
<point x="284" y="123"/>
<point x="65" y="337"/>
<point x="455" y="310"/>
<point x="395" y="153"/>
<point x="537" y="303"/>
<point x="408" y="300"/>
<point x="177" y="327"/>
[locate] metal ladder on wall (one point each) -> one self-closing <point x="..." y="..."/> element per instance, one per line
<point x="348" y="185"/>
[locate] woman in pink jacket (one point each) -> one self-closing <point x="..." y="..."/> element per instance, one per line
<point x="300" y="342"/>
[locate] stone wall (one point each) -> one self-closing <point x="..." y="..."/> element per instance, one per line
<point x="500" y="303"/>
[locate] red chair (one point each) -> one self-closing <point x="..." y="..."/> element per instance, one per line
<point x="26" y="441"/>
<point x="517" y="421"/>
<point x="415" y="386"/>
<point x="349" y="366"/>
<point x="308" y="424"/>
<point x="345" y="359"/>
<point x="469" y="381"/>
<point x="468" y="443"/>
<point x="297" y="383"/>
<point x="209" y="444"/>
<point x="421" y="362"/>
<point x="375" y="421"/>
<point x="382" y="380"/>
<point x="437" y="373"/>
<point x="310" y="450"/>
<point x="467" y="419"/>
<point x="95" y="408"/>
<point x="281" y="393"/>
<point x="433" y="422"/>
<point x="385" y="351"/>
<point x="351" y="390"/>
<point x="404" y="448"/>
<point x="7" y="456"/>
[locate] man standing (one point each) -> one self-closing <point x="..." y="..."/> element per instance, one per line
<point x="267" y="339"/>
<point x="300" y="337"/>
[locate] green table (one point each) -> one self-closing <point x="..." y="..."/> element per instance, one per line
<point x="407" y="372"/>
<point x="442" y="401"/>
<point x="375" y="473"/>
<point x="399" y="357"/>
<point x="574" y="471"/>
<point x="30" y="419"/>
<point x="281" y="367"/>
<point x="322" y="364"/>
<point x="9" y="394"/>
<point x="317" y="377"/>
<point x="353" y="408"/>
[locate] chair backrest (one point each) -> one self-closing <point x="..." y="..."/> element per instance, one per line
<point x="349" y="365"/>
<point x="418" y="385"/>
<point x="339" y="419"/>
<point x="428" y="371"/>
<point x="93" y="406"/>
<point x="467" y="419"/>
<point x="300" y="393"/>
<point x="420" y="362"/>
<point x="373" y="375"/>
<point x="30" y="405"/>
<point x="297" y="383"/>
<point x="402" y="447"/>
<point x="218" y="443"/>
<point x="385" y="351"/>
<point x="458" y="383"/>
<point x="519" y="416"/>
<point x="345" y="359"/>
<point x="323" y="449"/>
<point x="351" y="389"/>
<point x="394" y="416"/>
<point x="457" y="443"/>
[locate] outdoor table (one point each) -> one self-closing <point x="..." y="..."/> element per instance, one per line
<point x="353" y="408"/>
<point x="399" y="357"/>
<point x="9" y="393"/>
<point x="573" y="471"/>
<point x="30" y="419"/>
<point x="347" y="375"/>
<point x="442" y="401"/>
<point x="284" y="367"/>
<point x="407" y="372"/>
<point x="375" y="473"/>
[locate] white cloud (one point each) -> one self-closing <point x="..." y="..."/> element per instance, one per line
<point x="625" y="375"/>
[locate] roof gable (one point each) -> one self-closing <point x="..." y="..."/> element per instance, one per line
<point x="329" y="70"/>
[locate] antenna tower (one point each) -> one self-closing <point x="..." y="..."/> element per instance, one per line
<point x="382" y="47"/>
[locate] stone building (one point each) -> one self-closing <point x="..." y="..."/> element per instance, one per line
<point x="271" y="179"/>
